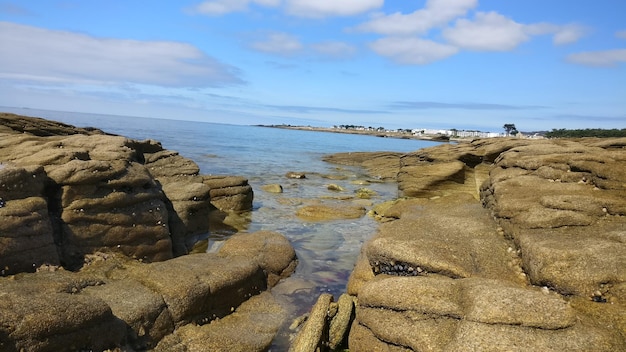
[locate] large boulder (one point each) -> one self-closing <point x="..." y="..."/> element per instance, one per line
<point x="98" y="195"/>
<point x="67" y="192"/>
<point x="271" y="250"/>
<point x="539" y="265"/>
<point x="442" y="314"/>
<point x="570" y="227"/>
<point x="139" y="304"/>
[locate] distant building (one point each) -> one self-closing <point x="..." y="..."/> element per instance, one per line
<point x="456" y="133"/>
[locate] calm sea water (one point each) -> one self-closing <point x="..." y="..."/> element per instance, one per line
<point x="326" y="251"/>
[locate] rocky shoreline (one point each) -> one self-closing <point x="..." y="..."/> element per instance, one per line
<point x="383" y="134"/>
<point x="495" y="245"/>
<point x="96" y="232"/>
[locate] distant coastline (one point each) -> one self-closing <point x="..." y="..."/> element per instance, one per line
<point x="382" y="134"/>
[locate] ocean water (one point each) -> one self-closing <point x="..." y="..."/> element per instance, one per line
<point x="326" y="250"/>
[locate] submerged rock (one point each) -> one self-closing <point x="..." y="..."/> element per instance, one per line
<point x="272" y="188"/>
<point x="296" y="175"/>
<point x="321" y="212"/>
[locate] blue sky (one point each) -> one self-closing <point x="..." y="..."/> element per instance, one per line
<point x="465" y="64"/>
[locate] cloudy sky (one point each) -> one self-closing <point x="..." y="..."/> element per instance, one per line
<point x="465" y="64"/>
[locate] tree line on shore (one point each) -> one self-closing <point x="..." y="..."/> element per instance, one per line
<point x="589" y="132"/>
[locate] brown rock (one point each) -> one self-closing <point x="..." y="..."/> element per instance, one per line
<point x="230" y="193"/>
<point x="439" y="314"/>
<point x="26" y="235"/>
<point x="296" y="175"/>
<point x="271" y="250"/>
<point x="312" y="334"/>
<point x="272" y="188"/>
<point x="380" y="165"/>
<point x="40" y="314"/>
<point x="40" y="127"/>
<point x="144" y="311"/>
<point x="320" y="212"/>
<point x="558" y="209"/>
<point x="341" y="321"/>
<point x="250" y="328"/>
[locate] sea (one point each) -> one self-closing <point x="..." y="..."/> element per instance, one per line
<point x="327" y="250"/>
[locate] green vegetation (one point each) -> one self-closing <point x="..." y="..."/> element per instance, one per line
<point x="590" y="132"/>
<point x="510" y="129"/>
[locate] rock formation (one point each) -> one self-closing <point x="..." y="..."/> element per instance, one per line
<point x="68" y="192"/>
<point x="94" y="229"/>
<point x="497" y="245"/>
<point x="114" y="301"/>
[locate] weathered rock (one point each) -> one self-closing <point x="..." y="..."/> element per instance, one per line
<point x="189" y="210"/>
<point x="272" y="251"/>
<point x="85" y="191"/>
<point x="341" y="321"/>
<point x="144" y="311"/>
<point x="167" y="163"/>
<point x="26" y="235"/>
<point x="334" y="187"/>
<point x="230" y="193"/>
<point x="250" y="328"/>
<point x="296" y="175"/>
<point x="380" y="165"/>
<point x="43" y="312"/>
<point x="78" y="192"/>
<point x="311" y="336"/>
<point x="98" y="195"/>
<point x="559" y="214"/>
<point x="365" y="193"/>
<point x="321" y="212"/>
<point x="139" y="304"/>
<point x="272" y="188"/>
<point x="465" y="244"/>
<point x="40" y="127"/>
<point x="440" y="314"/>
<point x="575" y="211"/>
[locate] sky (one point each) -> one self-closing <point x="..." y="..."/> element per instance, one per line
<point x="464" y="64"/>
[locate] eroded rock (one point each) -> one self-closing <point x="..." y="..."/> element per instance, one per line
<point x="139" y="304"/>
<point x="325" y="212"/>
<point x="449" y="275"/>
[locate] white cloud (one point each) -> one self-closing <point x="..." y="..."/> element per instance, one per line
<point x="334" y="49"/>
<point x="488" y="32"/>
<point x="328" y="8"/>
<point x="569" y="34"/>
<point x="38" y="54"/>
<point x="413" y="51"/>
<point x="621" y="34"/>
<point x="222" y="7"/>
<point x="563" y="34"/>
<point x="436" y="13"/>
<point x="278" y="43"/>
<point x="599" y="58"/>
